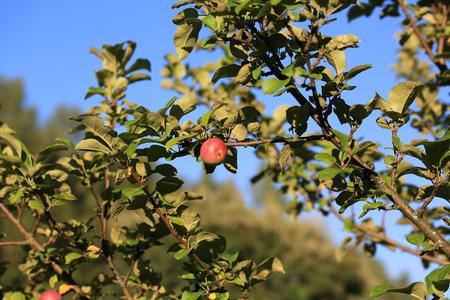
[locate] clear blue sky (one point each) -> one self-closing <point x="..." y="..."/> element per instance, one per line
<point x="46" y="44"/>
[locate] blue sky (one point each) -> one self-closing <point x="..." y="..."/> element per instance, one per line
<point x="46" y="44"/>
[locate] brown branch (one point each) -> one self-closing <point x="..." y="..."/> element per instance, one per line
<point x="264" y="141"/>
<point x="112" y="264"/>
<point x="389" y="241"/>
<point x="170" y="227"/>
<point x="380" y="184"/>
<point x="409" y="213"/>
<point x="422" y="209"/>
<point x="441" y="42"/>
<point x="35" y="244"/>
<point x="53" y="224"/>
<point x="99" y="208"/>
<point x="18" y="243"/>
<point x="426" y="47"/>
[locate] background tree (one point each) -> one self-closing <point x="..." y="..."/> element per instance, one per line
<point x="254" y="236"/>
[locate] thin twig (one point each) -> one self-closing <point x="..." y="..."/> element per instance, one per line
<point x="425" y="204"/>
<point x="53" y="224"/>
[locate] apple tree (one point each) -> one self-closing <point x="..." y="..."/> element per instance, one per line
<point x="312" y="150"/>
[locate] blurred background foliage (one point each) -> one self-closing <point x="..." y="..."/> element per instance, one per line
<point x="312" y="269"/>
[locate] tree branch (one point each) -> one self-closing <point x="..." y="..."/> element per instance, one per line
<point x="170" y="227"/>
<point x="35" y="244"/>
<point x="388" y="240"/>
<point x="409" y="213"/>
<point x="426" y="47"/>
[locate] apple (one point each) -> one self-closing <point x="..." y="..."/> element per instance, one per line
<point x="213" y="152"/>
<point x="50" y="295"/>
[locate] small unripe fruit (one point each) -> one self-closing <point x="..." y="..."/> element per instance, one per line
<point x="213" y="152"/>
<point x="50" y="295"/>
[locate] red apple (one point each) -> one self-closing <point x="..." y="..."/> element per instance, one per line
<point x="213" y="152"/>
<point x="50" y="295"/>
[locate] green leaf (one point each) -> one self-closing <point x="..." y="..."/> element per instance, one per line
<point x="355" y="71"/>
<point x="342" y="138"/>
<point x="243" y="5"/>
<point x="341" y="42"/>
<point x="226" y="111"/>
<point x="35" y="204"/>
<point x="273" y="264"/>
<point x="416" y="239"/>
<point x="139" y="64"/>
<point x="417" y="290"/>
<point x="93" y="144"/>
<point x="17" y="296"/>
<point x="421" y="172"/>
<point x="372" y="205"/>
<point x="204" y="236"/>
<point x="19" y="147"/>
<point x="298" y="116"/>
<point x="131" y="192"/>
<point x="181" y="17"/>
<point x="190" y="220"/>
<point x="72" y="256"/>
<point x="363" y="146"/>
<point x="437" y="150"/>
<point x="182" y="107"/>
<point x="210" y="22"/>
<point x="225" y="71"/>
<point x="336" y="59"/>
<point x="271" y="85"/>
<point x="403" y="95"/>
<point x="53" y="280"/>
<point x="204" y="121"/>
<point x="396" y="142"/>
<point x="135" y="77"/>
<point x="67" y="142"/>
<point x="117" y="234"/>
<point x="176" y="220"/>
<point x="244" y="75"/>
<point x="328" y="7"/>
<point x="16" y="196"/>
<point x="238" y="51"/>
<point x="44" y="154"/>
<point x="168" y="185"/>
<point x="185" y="38"/>
<point x="436" y="281"/>
<point x="179" y="255"/>
<point x="326" y="158"/>
<point x="174" y="141"/>
<point x="209" y="42"/>
<point x="94" y="124"/>
<point x="239" y="132"/>
<point x="191" y="295"/>
<point x="118" y="206"/>
<point x="329" y="173"/>
<point x="94" y="91"/>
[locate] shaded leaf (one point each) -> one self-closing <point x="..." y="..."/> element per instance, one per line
<point x="225" y="71"/>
